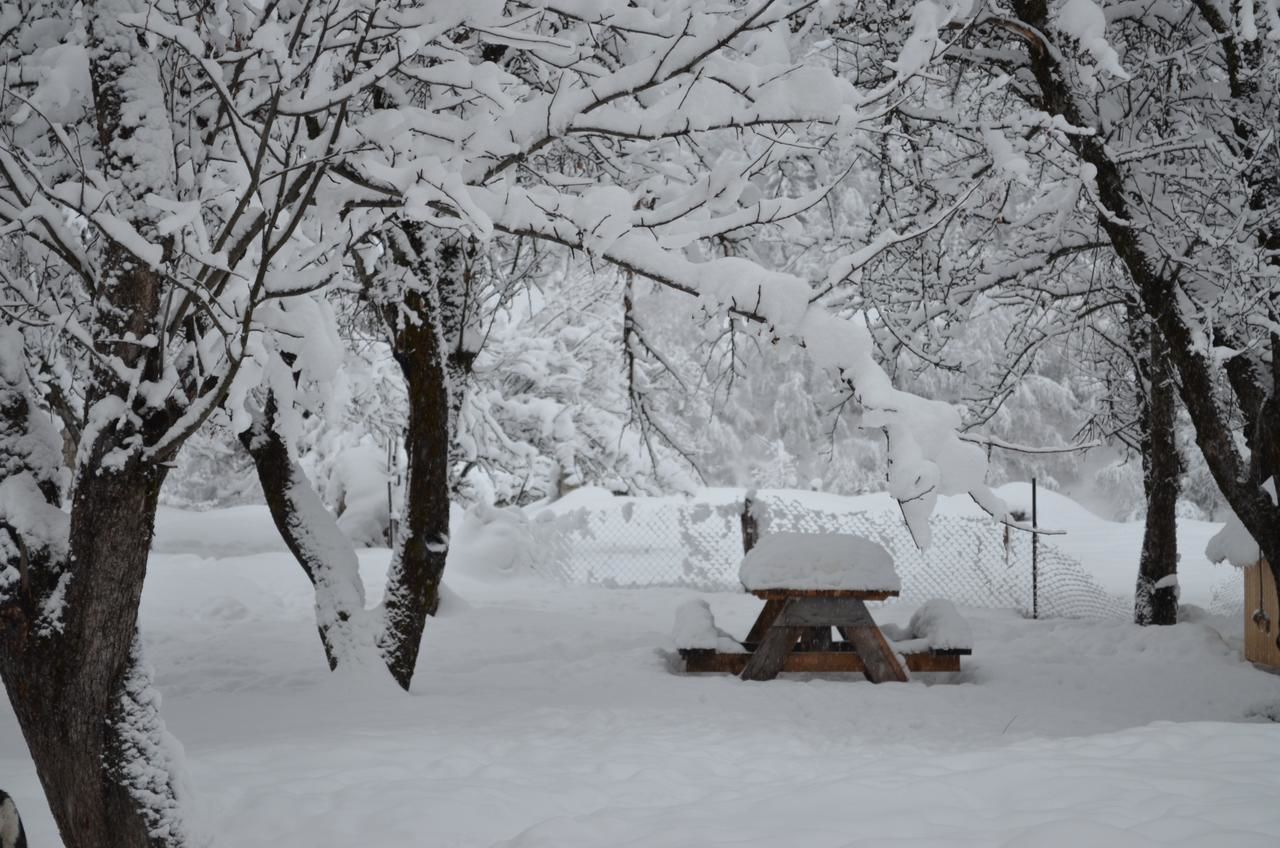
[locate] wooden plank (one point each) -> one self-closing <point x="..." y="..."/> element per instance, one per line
<point x="1261" y="617"/>
<point x="812" y="662"/>
<point x="784" y="594"/>
<point x="847" y="646"/>
<point x="832" y="612"/>
<point x="767" y="660"/>
<point x="765" y="620"/>
<point x="880" y="660"/>
<point x="933" y="662"/>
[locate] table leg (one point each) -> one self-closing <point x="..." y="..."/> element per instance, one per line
<point x="767" y="659"/>
<point x="878" y="658"/>
<point x="764" y="621"/>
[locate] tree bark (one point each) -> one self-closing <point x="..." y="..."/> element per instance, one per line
<point x="422" y="297"/>
<point x="1156" y="598"/>
<point x="417" y="567"/>
<point x="312" y="535"/>
<point x="70" y="664"/>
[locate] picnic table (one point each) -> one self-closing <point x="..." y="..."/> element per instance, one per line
<point x="804" y="607"/>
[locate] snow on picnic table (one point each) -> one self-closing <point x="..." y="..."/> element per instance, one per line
<point x="695" y="628"/>
<point x="546" y="715"/>
<point x="818" y="561"/>
<point x="937" y="624"/>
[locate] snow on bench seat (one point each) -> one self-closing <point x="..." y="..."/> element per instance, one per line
<point x="818" y="561"/>
<point x="695" y="630"/>
<point x="936" y="626"/>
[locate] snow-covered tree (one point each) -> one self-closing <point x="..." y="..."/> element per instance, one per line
<point x="1072" y="160"/>
<point x="167" y="181"/>
<point x="1151" y="133"/>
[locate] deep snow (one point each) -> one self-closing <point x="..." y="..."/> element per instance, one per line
<point x="546" y="715"/>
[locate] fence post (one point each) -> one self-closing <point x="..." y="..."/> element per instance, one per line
<point x="750" y="526"/>
<point x="1035" y="555"/>
<point x="391" y="503"/>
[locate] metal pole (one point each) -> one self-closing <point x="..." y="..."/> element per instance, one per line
<point x="391" y="505"/>
<point x="1035" y="555"/>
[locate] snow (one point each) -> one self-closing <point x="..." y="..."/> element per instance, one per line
<point x="1084" y="20"/>
<point x="23" y="507"/>
<point x="545" y="714"/>
<point x="818" y="561"/>
<point x="936" y="624"/>
<point x="695" y="628"/>
<point x="1003" y="154"/>
<point x="1234" y="543"/>
<point x="146" y="759"/>
<point x="10" y="822"/>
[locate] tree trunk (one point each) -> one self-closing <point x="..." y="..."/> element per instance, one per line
<point x="413" y="583"/>
<point x="1156" y="598"/>
<point x="423" y="303"/>
<point x="74" y="677"/>
<point x="312" y="536"/>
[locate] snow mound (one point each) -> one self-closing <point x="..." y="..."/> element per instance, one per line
<point x="493" y="542"/>
<point x="939" y="624"/>
<point x="818" y="561"/>
<point x="695" y="629"/>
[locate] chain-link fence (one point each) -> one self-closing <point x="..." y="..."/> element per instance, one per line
<point x="971" y="560"/>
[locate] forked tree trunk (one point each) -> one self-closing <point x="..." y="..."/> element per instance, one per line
<point x="425" y="316"/>
<point x="312" y="535"/>
<point x="425" y="327"/>
<point x="1156" y="598"/>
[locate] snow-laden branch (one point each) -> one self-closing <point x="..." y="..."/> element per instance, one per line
<point x="927" y="455"/>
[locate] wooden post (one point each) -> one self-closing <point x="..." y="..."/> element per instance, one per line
<point x="750" y="525"/>
<point x="1261" y="616"/>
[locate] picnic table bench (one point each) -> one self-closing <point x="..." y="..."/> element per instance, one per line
<point x="794" y="630"/>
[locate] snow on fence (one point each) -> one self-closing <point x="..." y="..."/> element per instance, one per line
<point x="635" y="542"/>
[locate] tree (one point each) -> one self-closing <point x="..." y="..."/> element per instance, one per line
<point x="1156" y="598"/>
<point x="1178" y="171"/>
<point x="1066" y="137"/>
<point x="170" y="172"/>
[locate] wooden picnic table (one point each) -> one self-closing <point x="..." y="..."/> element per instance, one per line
<point x="793" y="633"/>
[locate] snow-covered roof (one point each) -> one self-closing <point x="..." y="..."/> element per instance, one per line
<point x="818" y="561"/>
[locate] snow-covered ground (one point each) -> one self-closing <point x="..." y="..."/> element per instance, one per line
<point x="545" y="715"/>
